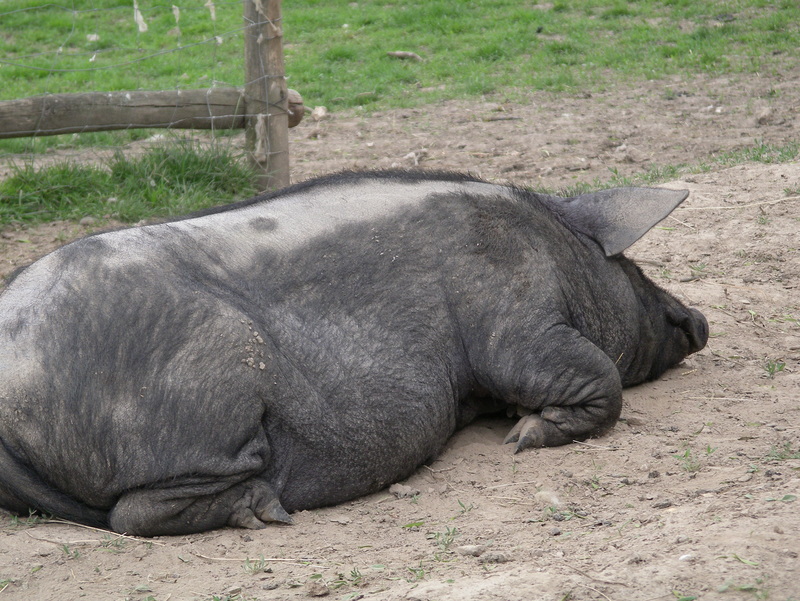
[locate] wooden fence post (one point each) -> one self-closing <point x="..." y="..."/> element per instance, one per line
<point x="266" y="97"/>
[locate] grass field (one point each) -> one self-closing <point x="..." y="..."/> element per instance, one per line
<point x="336" y="50"/>
<point x="169" y="180"/>
<point x="336" y="56"/>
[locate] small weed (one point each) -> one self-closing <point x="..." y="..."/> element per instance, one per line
<point x="113" y="543"/>
<point x="445" y="539"/>
<point x="763" y="218"/>
<point x="772" y="367"/>
<point x="698" y="268"/>
<point x="70" y="553"/>
<point x="710" y="449"/>
<point x="784" y="498"/>
<point x="619" y="180"/>
<point x="413" y="525"/>
<point x="689" y="462"/>
<point x="757" y="588"/>
<point x="142" y="588"/>
<point x="465" y="508"/>
<point x="681" y="597"/>
<point x="786" y="319"/>
<point x="417" y="573"/>
<point x="5" y="583"/>
<point x="256" y="566"/>
<point x="746" y="562"/>
<point x="354" y="579"/>
<point x="782" y="453"/>
<point x="32" y="520"/>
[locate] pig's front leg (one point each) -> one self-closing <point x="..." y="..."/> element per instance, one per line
<point x="572" y="387"/>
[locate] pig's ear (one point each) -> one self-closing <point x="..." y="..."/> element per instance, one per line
<point x="618" y="217"/>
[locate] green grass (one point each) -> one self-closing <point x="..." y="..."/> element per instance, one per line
<point x="177" y="179"/>
<point x="336" y="56"/>
<point x="169" y="180"/>
<point x="657" y="174"/>
<point x="336" y="50"/>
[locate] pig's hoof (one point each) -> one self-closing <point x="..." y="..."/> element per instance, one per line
<point x="259" y="506"/>
<point x="529" y="432"/>
<point x="246" y="518"/>
<point x="271" y="511"/>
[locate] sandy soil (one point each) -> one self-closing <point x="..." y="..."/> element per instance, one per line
<point x="694" y="495"/>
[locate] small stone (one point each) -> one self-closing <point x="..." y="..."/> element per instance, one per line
<point x="234" y="590"/>
<point x="402" y="491"/>
<point x="579" y="164"/>
<point x="662" y="504"/>
<point x="745" y="478"/>
<point x="653" y="474"/>
<point x="319" y="113"/>
<point x="342" y="521"/>
<point x="87" y="221"/>
<point x="555" y="531"/>
<point x="472" y="550"/>
<point x="315" y="588"/>
<point x="764" y="117"/>
<point x="777" y="529"/>
<point x="494" y="558"/>
<point x="548" y="498"/>
<point x="686" y="557"/>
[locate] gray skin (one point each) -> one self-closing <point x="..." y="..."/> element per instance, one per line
<point x="304" y="348"/>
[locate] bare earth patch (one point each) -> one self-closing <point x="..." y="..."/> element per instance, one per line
<point x="695" y="493"/>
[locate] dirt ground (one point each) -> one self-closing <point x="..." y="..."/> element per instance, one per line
<point x="694" y="495"/>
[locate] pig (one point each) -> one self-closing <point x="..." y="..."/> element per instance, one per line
<point x="309" y="346"/>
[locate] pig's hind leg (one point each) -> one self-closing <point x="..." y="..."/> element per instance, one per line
<point x="571" y="385"/>
<point x="184" y="508"/>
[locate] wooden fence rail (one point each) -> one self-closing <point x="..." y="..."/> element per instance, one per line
<point x="214" y="108"/>
<point x="265" y="109"/>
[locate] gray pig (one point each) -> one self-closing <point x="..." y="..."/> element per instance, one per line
<point x="303" y="348"/>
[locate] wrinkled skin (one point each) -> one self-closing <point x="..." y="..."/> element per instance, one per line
<point x="305" y="348"/>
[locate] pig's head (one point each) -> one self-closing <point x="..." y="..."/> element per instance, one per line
<point x="669" y="331"/>
<point x="615" y="219"/>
